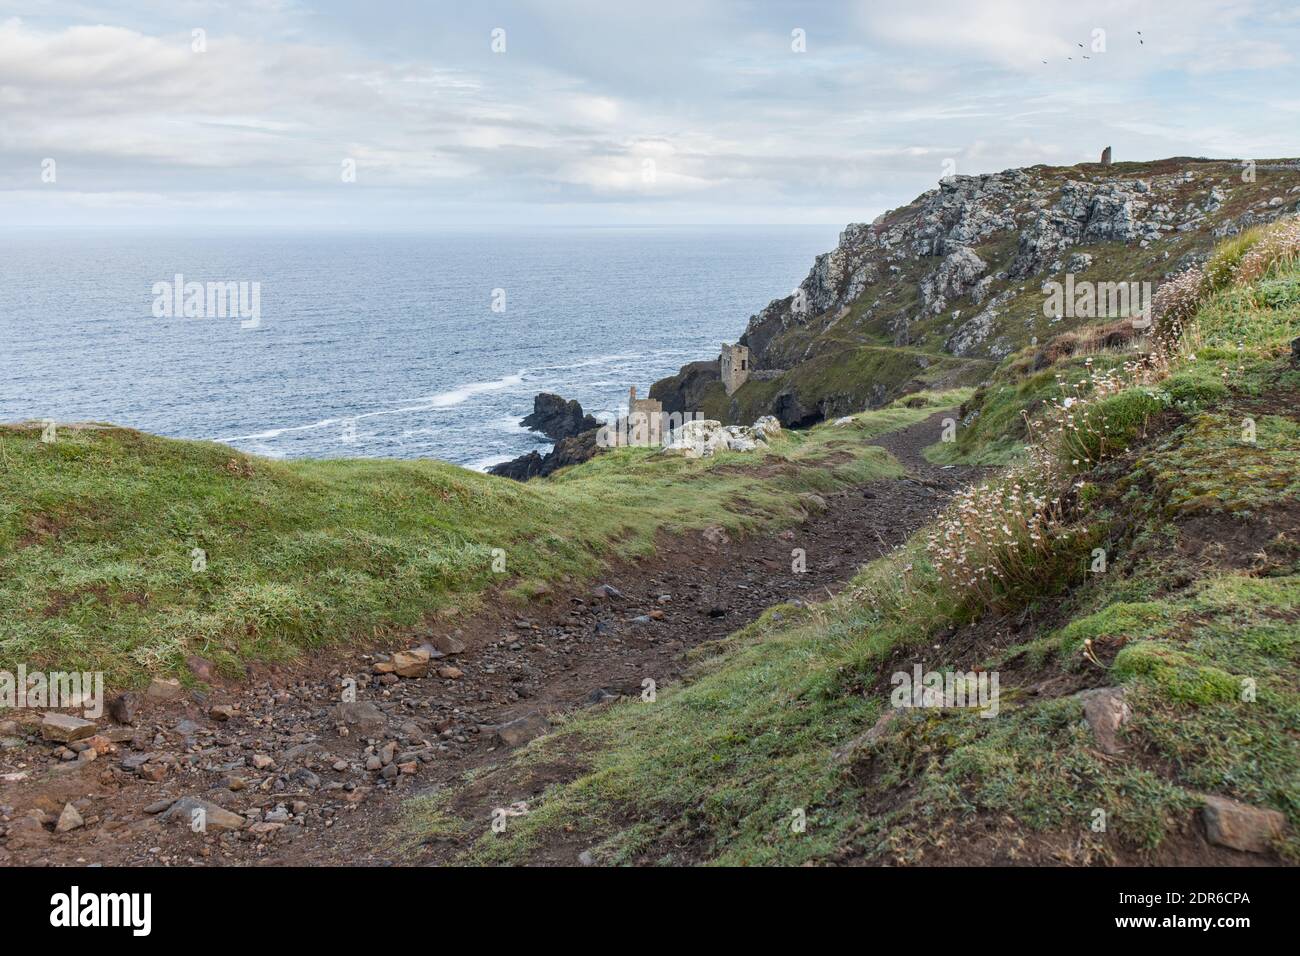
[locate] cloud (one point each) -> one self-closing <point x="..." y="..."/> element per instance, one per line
<point x="736" y="123"/>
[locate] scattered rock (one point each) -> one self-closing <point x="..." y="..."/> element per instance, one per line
<point x="214" y="817"/>
<point x="164" y="688"/>
<point x="522" y="729"/>
<point x="413" y="663"/>
<point x="125" y="707"/>
<point x="362" y="716"/>
<point x="65" y="728"/>
<point x="705" y="438"/>
<point x="447" y="644"/>
<point x="1105" y="711"/>
<point x="69" y="819"/>
<point x="1240" y="826"/>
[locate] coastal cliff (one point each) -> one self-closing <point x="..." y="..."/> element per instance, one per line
<point x="935" y="293"/>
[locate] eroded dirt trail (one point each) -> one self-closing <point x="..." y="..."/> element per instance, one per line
<point x="313" y="781"/>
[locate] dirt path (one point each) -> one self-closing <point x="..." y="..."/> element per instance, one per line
<point x="314" y="791"/>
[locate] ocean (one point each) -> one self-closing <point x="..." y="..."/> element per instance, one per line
<point x="373" y="345"/>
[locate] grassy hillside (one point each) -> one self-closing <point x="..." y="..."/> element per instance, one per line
<point x="100" y="532"/>
<point x="1177" y="461"/>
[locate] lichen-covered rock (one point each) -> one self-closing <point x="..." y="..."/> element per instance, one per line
<point x="957" y="274"/>
<point x="705" y="438"/>
<point x="971" y="334"/>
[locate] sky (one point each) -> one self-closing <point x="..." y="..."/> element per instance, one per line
<point x="406" y="115"/>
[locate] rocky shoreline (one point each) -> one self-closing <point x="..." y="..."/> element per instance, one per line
<point x="564" y="422"/>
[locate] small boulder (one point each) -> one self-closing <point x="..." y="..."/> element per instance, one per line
<point x="181" y="813"/>
<point x="164" y="688"/>
<point x="1105" y="711"/>
<point x="519" y="731"/>
<point x="1240" y="826"/>
<point x="362" y="716"/>
<point x="69" y="819"/>
<point x="446" y="644"/>
<point x="414" y="663"/>
<point x="701" y="438"/>
<point x="65" y="728"/>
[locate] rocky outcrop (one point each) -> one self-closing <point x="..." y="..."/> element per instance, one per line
<point x="959" y="271"/>
<point x="705" y="438"/>
<point x="569" y="451"/>
<point x="957" y="274"/>
<point x="556" y="418"/>
<point x="971" y="334"/>
<point x="565" y="424"/>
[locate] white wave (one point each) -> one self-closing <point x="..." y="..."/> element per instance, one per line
<point x="458" y="395"/>
<point x="484" y="464"/>
<point x="441" y="400"/>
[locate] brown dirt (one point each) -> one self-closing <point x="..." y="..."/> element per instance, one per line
<point x="548" y="658"/>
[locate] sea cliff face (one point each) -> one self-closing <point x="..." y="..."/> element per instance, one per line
<point x="935" y="293"/>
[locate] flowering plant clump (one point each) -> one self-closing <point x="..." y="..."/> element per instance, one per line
<point x="1002" y="538"/>
<point x="1176" y="301"/>
<point x="1279" y="246"/>
<point x="1075" y="433"/>
<point x="990" y="540"/>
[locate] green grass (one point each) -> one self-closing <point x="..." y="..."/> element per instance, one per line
<point x="98" y="532"/>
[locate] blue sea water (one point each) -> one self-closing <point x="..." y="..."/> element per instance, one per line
<point x="375" y="345"/>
